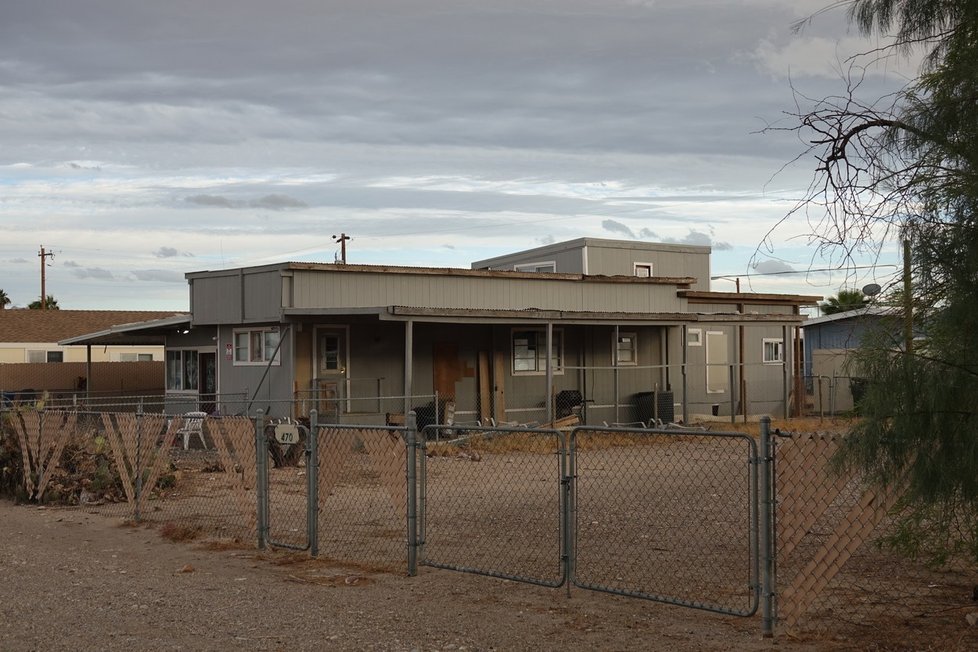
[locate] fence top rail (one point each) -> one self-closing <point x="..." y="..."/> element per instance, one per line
<point x="689" y="432"/>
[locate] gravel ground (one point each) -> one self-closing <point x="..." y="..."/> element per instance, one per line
<point x="73" y="581"/>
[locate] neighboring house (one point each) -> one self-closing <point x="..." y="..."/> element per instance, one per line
<point x="829" y="342"/>
<point x="34" y="335"/>
<point x="32" y="355"/>
<point x="368" y="342"/>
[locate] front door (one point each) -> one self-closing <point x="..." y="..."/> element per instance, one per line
<point x="332" y="370"/>
<point x="207" y="361"/>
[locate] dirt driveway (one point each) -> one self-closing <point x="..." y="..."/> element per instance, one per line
<point x="70" y="580"/>
<point x="73" y="580"/>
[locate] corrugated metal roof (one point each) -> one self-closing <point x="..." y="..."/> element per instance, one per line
<point x="24" y="325"/>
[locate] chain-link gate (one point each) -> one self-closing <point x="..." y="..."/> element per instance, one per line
<point x="491" y="502"/>
<point x="666" y="515"/>
<point x="287" y="513"/>
<point x="676" y="516"/>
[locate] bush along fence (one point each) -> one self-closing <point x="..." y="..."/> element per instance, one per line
<point x="720" y="521"/>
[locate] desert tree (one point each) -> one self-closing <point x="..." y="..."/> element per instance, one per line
<point x="904" y="166"/>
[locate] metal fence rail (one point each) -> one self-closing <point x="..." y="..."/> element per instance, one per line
<point x="666" y="515"/>
<point x="492" y="502"/>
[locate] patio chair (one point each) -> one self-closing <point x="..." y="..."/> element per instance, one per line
<point x="193" y="424"/>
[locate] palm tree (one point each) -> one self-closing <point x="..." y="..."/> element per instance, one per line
<point x="845" y="300"/>
<point x="50" y="304"/>
<point x="4" y="300"/>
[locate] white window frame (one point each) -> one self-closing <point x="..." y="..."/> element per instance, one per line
<point x="540" y="340"/>
<point x="723" y="367"/>
<point x="616" y="349"/>
<point x="636" y="267"/>
<point x="251" y="359"/>
<point x="694" y="337"/>
<point x="779" y="349"/>
<point x="126" y="356"/>
<point x="535" y="267"/>
<point x="46" y="354"/>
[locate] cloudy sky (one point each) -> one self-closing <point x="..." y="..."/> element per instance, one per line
<point x="143" y="140"/>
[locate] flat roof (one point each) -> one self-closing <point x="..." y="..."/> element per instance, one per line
<point x="149" y="332"/>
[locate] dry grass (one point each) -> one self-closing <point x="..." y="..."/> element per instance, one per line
<point x="178" y="532"/>
<point x="499" y="443"/>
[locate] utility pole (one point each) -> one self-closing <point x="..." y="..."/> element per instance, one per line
<point x="907" y="298"/>
<point x="44" y="296"/>
<point x="342" y="238"/>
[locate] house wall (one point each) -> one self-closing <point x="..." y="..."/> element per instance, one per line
<point x="17" y="352"/>
<point x="618" y="259"/>
<point x="613" y="258"/>
<point x="245" y="382"/>
<point x="237" y="297"/>
<point x="323" y="289"/>
<point x="842" y="334"/>
<point x="831" y="388"/>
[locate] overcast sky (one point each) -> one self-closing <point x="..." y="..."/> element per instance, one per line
<point x="143" y="140"/>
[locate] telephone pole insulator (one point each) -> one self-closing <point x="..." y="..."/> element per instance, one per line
<point x="342" y="238"/>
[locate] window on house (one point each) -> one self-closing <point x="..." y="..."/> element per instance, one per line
<point x="547" y="266"/>
<point x="255" y="346"/>
<point x="135" y="357"/>
<point x="529" y="352"/>
<point x="694" y="337"/>
<point x="181" y="370"/>
<point x="627" y="348"/>
<point x="643" y="270"/>
<point x="330" y="360"/>
<point x="773" y="351"/>
<point x="45" y="356"/>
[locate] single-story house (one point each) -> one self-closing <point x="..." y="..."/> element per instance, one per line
<point x="33" y="357"/>
<point x="632" y="329"/>
<point x="829" y="341"/>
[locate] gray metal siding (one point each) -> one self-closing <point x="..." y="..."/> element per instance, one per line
<point x="216" y="300"/>
<point x="611" y="260"/>
<point x="238" y="297"/>
<point x="322" y="289"/>
<point x="274" y="392"/>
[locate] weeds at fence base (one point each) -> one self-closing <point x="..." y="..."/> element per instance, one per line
<point x="177" y="532"/>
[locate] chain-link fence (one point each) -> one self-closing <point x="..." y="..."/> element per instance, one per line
<point x="832" y="574"/>
<point x="685" y="516"/>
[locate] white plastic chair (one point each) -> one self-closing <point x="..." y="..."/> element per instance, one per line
<point x="193" y="424"/>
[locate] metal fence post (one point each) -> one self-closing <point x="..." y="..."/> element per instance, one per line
<point x="412" y="493"/>
<point x="568" y="453"/>
<point x="312" y="474"/>
<point x="261" y="485"/>
<point x="768" y="536"/>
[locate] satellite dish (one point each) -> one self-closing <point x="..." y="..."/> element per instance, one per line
<point x="872" y="289"/>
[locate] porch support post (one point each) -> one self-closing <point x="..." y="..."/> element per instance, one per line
<point x="408" y="365"/>
<point x="666" y="377"/>
<point x="550" y="372"/>
<point x="685" y="345"/>
<point x="88" y="372"/>
<point x="614" y="363"/>
<point x="784" y="370"/>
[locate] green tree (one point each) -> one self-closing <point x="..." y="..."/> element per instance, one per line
<point x="50" y="304"/>
<point x="4" y="300"/>
<point x="908" y="165"/>
<point x="845" y="300"/>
